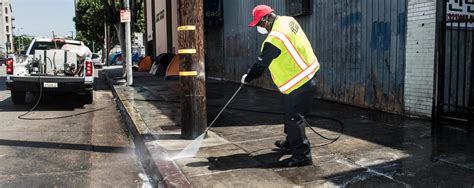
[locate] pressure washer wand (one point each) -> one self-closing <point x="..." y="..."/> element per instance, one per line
<point x="223" y="108"/>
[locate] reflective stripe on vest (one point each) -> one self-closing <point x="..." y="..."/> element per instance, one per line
<point x="308" y="72"/>
<point x="291" y="48"/>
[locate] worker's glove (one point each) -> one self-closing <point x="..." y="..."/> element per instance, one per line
<point x="243" y="79"/>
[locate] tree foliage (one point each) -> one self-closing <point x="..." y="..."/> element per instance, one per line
<point x="22" y="42"/>
<point x="90" y="22"/>
<point x="91" y="15"/>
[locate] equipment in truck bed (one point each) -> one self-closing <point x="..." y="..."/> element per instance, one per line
<point x="55" y="63"/>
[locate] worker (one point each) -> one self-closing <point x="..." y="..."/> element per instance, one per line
<point x="288" y="54"/>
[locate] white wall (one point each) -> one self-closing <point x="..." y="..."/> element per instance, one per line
<point x="420" y="54"/>
<point x="3" y="38"/>
<point x="149" y="20"/>
<point x="160" y="27"/>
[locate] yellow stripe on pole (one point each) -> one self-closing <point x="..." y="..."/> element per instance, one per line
<point x="187" y="28"/>
<point x="187" y="51"/>
<point x="188" y="73"/>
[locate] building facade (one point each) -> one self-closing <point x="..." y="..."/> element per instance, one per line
<point x="6" y="27"/>
<point x="377" y="54"/>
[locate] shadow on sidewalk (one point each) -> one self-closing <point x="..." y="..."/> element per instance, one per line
<point x="242" y="161"/>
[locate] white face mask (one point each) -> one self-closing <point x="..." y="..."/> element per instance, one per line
<point x="262" y="30"/>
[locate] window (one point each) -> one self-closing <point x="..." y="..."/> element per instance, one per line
<point x="8" y="29"/>
<point x="6" y="10"/>
<point x="6" y="19"/>
<point x="48" y="46"/>
<point x="298" y="7"/>
<point x="8" y="38"/>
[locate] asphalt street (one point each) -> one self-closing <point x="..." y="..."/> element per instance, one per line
<point x="77" y="146"/>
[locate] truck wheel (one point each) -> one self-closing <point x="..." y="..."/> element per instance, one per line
<point x="18" y="97"/>
<point x="89" y="97"/>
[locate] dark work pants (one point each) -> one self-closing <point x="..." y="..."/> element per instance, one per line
<point x="297" y="105"/>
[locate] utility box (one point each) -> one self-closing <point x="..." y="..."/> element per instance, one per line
<point x="298" y="7"/>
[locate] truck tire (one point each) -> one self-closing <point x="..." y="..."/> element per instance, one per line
<point x="89" y="97"/>
<point x="18" y="97"/>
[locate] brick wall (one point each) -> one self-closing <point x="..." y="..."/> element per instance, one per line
<point x="420" y="53"/>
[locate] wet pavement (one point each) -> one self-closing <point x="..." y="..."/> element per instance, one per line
<point x="376" y="149"/>
<point x="78" y="147"/>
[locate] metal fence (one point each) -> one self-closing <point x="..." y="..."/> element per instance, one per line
<point x="456" y="91"/>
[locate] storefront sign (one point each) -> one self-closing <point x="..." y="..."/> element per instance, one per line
<point x="460" y="12"/>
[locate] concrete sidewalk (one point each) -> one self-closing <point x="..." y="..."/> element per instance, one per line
<point x="376" y="149"/>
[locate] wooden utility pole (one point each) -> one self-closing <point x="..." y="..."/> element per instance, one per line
<point x="192" y="73"/>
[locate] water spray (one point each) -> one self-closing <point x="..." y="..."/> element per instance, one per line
<point x="193" y="148"/>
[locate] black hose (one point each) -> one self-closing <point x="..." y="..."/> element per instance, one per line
<point x="37" y="102"/>
<point x="50" y="62"/>
<point x="332" y="140"/>
<point x="22" y="116"/>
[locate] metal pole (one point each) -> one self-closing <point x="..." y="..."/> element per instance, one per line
<point x="106" y="50"/>
<point x="19" y="44"/>
<point x="109" y="45"/>
<point x="19" y="39"/>
<point x="128" y="47"/>
<point x="192" y="73"/>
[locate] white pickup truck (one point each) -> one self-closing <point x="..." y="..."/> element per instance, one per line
<point x="53" y="66"/>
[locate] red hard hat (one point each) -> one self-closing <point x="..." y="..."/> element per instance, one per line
<point x="258" y="13"/>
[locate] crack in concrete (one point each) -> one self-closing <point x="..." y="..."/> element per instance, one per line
<point x="47" y="173"/>
<point x="468" y="166"/>
<point x="214" y="173"/>
<point x="372" y="172"/>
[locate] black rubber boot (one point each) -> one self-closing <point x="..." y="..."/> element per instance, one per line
<point x="282" y="144"/>
<point x="294" y="162"/>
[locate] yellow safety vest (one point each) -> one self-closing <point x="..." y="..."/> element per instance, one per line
<point x="297" y="63"/>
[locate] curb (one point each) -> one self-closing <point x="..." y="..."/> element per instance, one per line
<point x="161" y="171"/>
